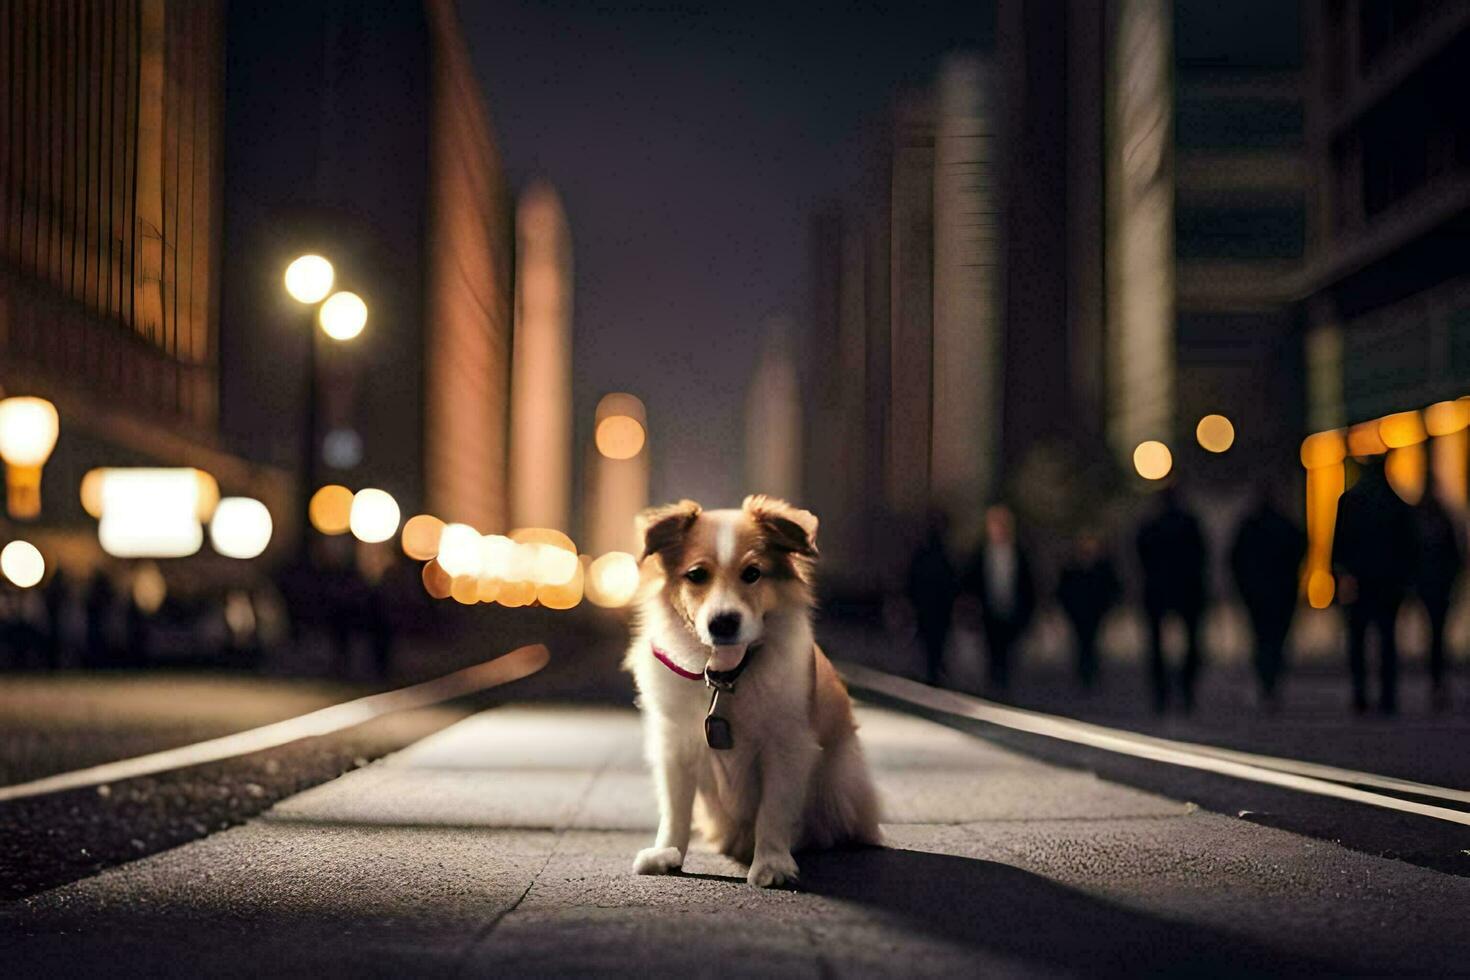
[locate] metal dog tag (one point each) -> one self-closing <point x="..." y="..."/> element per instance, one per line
<point x="717" y="731"/>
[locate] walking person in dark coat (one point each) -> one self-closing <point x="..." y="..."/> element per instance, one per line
<point x="1087" y="589"/>
<point x="932" y="587"/>
<point x="1440" y="559"/>
<point x="998" y="580"/>
<point x="1266" y="561"/>
<point x="1374" y="548"/>
<point x="1171" y="548"/>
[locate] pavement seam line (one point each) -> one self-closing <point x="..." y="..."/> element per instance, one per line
<point x="1184" y="754"/>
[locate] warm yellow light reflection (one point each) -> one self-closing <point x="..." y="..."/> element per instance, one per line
<point x="1447" y="418"/>
<point x="437" y="582"/>
<point x="309" y="279"/>
<point x="149" y="588"/>
<point x="22" y="564"/>
<point x="1364" y="439"/>
<point x="566" y="594"/>
<point x="619" y="437"/>
<point x="154" y="513"/>
<point x="1406" y="468"/>
<point x="1401" y="429"/>
<point x="28" y="430"/>
<point x="343" y="316"/>
<point x="421" y="536"/>
<point x="465" y="589"/>
<point x="241" y="527"/>
<point x="330" y="509"/>
<point x="1215" y="433"/>
<point x="1320" y="589"/>
<point x="1152" y="460"/>
<point x="373" y="516"/>
<point x="459" y="550"/>
<point x="612" y="580"/>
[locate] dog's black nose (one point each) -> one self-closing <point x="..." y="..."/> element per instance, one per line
<point x="724" y="627"/>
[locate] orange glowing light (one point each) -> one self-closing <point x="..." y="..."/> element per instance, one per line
<point x="437" y="582"/>
<point x="1215" y="433"/>
<point x="1321" y="587"/>
<point x="465" y="590"/>
<point x="1365" y="439"/>
<point x="1406" y="469"/>
<point x="1323" y="449"/>
<point x="421" y="536"/>
<point x="330" y="509"/>
<point x="621" y="427"/>
<point x="1401" y="429"/>
<point x="1152" y="460"/>
<point x="612" y="580"/>
<point x="1447" y="418"/>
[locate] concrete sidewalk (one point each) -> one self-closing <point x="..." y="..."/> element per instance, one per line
<point x="503" y="843"/>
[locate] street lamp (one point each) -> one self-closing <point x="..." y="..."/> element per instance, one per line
<point x="28" y="430"/>
<point x="341" y="316"/>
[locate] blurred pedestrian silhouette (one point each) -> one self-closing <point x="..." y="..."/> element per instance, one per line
<point x="1374" y="547"/>
<point x="100" y="601"/>
<point x="998" y="580"/>
<point x="57" y="594"/>
<point x="932" y="587"/>
<point x="1266" y="561"/>
<point x="1440" y="559"/>
<point x="1087" y="589"/>
<point x="1171" y="548"/>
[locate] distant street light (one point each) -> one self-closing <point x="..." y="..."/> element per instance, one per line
<point x="28" y="430"/>
<point x="1152" y="460"/>
<point x="621" y="426"/>
<point x="374" y="516"/>
<point x="1215" y="433"/>
<point x="343" y="316"/>
<point x="309" y="279"/>
<point x="241" y="527"/>
<point x="22" y="564"/>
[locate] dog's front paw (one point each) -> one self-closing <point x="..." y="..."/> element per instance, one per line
<point x="772" y="870"/>
<point x="658" y="861"/>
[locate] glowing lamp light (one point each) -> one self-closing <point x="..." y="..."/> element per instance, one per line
<point x="1323" y="449"/>
<point x="28" y="431"/>
<point x="374" y="516"/>
<point x="343" y="316"/>
<point x="437" y="582"/>
<point x="497" y="557"/>
<point x="309" y="279"/>
<point x="421" y="535"/>
<point x="465" y="590"/>
<point x="551" y="566"/>
<point x="613" y="579"/>
<point x="621" y="426"/>
<point x="1365" y="439"/>
<point x="241" y="527"/>
<point x="330" y="509"/>
<point x="459" y="551"/>
<point x="1320" y="589"/>
<point x="1152" y="460"/>
<point x="149" y="588"/>
<point x="1447" y="418"/>
<point x="22" y="564"/>
<point x="153" y="513"/>
<point x="563" y="595"/>
<point x="1215" y="433"/>
<point x="1401" y="429"/>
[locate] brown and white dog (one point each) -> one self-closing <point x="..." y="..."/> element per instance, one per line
<point x="722" y="587"/>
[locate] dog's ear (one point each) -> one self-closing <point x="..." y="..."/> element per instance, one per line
<point x="661" y="528"/>
<point x="786" y="527"/>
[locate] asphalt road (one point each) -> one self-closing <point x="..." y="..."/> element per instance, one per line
<point x="502" y="844"/>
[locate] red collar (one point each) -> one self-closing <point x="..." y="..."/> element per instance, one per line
<point x="668" y="662"/>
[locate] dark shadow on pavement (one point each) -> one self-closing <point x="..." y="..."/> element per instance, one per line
<point x="1004" y="910"/>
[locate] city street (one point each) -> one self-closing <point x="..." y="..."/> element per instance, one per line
<point x="502" y="844"/>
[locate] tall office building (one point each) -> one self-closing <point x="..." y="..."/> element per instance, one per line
<point x="110" y="159"/>
<point x="541" y="379"/>
<point x="358" y="131"/>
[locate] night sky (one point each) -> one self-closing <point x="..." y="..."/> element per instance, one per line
<point x="691" y="148"/>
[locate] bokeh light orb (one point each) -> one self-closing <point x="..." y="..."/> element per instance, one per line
<point x="374" y="516"/>
<point x="620" y="437"/>
<point x="22" y="563"/>
<point x="343" y="316"/>
<point x="241" y="527"/>
<point x="437" y="582"/>
<point x="1215" y="433"/>
<point x="465" y="589"/>
<point x="1152" y="460"/>
<point x="309" y="279"/>
<point x="1447" y="418"/>
<point x="1323" y="449"/>
<point x="421" y="536"/>
<point x="459" y="550"/>
<point x="613" y="579"/>
<point x="330" y="509"/>
<point x="28" y="430"/>
<point x="1401" y="429"/>
<point x="1320" y="588"/>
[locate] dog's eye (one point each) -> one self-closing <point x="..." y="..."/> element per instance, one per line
<point x="750" y="574"/>
<point x="698" y="576"/>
